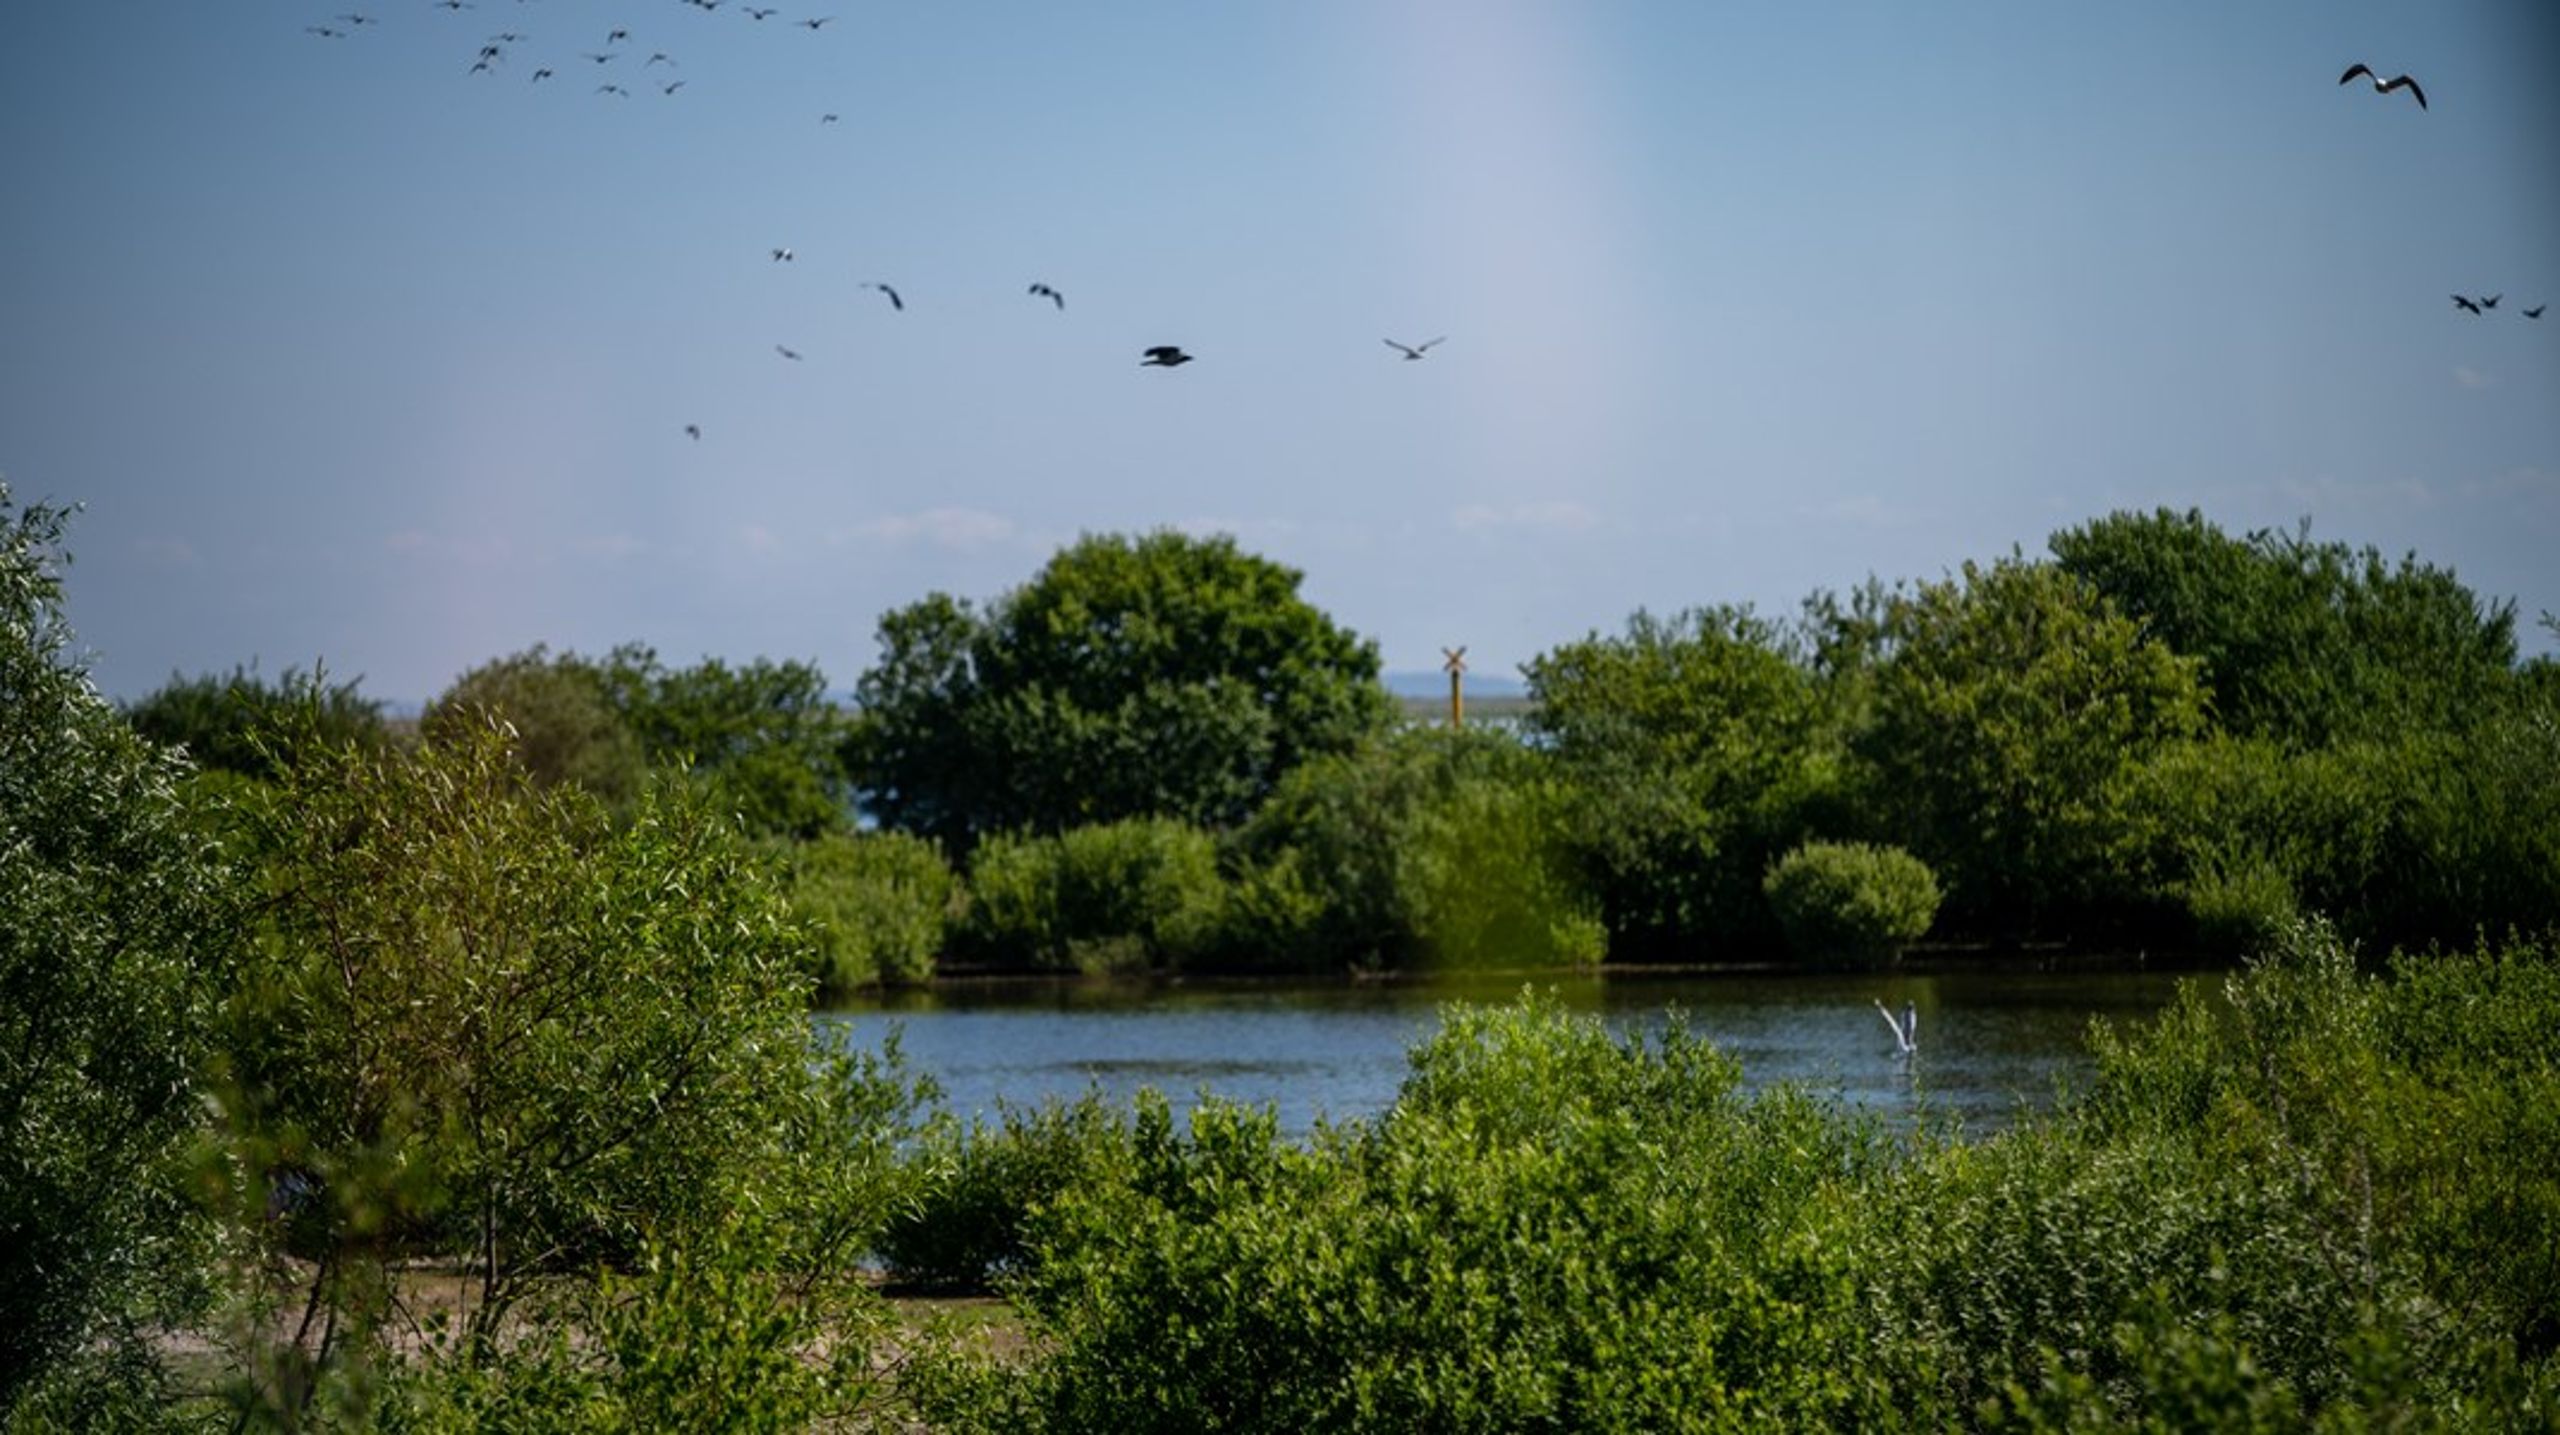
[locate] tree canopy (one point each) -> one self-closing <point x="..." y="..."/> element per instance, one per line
<point x="1164" y="675"/>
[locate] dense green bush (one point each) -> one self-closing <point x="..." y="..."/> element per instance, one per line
<point x="1117" y="897"/>
<point x="1848" y="901"/>
<point x="559" y="718"/>
<point x="977" y="1190"/>
<point x="115" y="939"/>
<point x="1420" y="848"/>
<point x="878" y="905"/>
<point x="238" y="724"/>
<point x="485" y="1024"/>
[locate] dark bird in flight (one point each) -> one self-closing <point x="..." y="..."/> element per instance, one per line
<point x="1165" y="356"/>
<point x="457" y="4"/>
<point x="791" y="354"/>
<point x="671" y="89"/>
<point x="755" y="14"/>
<point x="613" y="90"/>
<point x="617" y="37"/>
<point x="355" y="19"/>
<point x="656" y="58"/>
<point x="2382" y="86"/>
<point x="2461" y="303"/>
<point x="826" y="119"/>
<point x="542" y="74"/>
<point x="814" y="24"/>
<point x="325" y="33"/>
<point x="2536" y="311"/>
<point x="600" y="59"/>
<point x="508" y="38"/>
<point x="478" y="65"/>
<point x="894" y="301"/>
<point x="2492" y="301"/>
<point x="693" y="432"/>
<point x="783" y="256"/>
<point x="1053" y="296"/>
<point x="1414" y="351"/>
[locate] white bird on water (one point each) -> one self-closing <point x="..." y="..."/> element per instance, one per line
<point x="1906" y="1029"/>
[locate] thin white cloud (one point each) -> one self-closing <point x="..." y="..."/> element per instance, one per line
<point x="961" y="530"/>
<point x="1552" y="515"/>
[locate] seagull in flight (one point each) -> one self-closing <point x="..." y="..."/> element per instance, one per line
<point x="693" y="432"/>
<point x="1414" y="351"/>
<point x="826" y="119"/>
<point x="1165" y="356"/>
<point x="894" y="301"/>
<point x="1053" y="296"/>
<point x="325" y="33"/>
<point x="792" y="354"/>
<point x="2536" y="311"/>
<point x="658" y="57"/>
<point x="2461" y="303"/>
<point x="814" y="24"/>
<point x="2382" y="86"/>
<point x="1906" y="1029"/>
<point x="355" y="19"/>
<point x="541" y="75"/>
<point x="671" y="89"/>
<point x="2492" y="301"/>
<point x="783" y="256"/>
<point x="755" y="14"/>
<point x="613" y="90"/>
<point x="617" y="36"/>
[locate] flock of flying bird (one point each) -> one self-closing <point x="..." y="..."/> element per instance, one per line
<point x="494" y="53"/>
<point x="2382" y="86"/>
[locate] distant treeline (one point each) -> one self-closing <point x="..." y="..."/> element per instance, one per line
<point x="1156" y="755"/>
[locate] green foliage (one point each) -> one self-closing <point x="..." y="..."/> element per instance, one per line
<point x="1554" y="1230"/>
<point x="488" y="1026"/>
<point x="762" y="738"/>
<point x="2011" y="727"/>
<point x="1850" y="901"/>
<point x="1694" y="748"/>
<point x="698" y="1339"/>
<point x="878" y="905"/>
<point x="979" y="1191"/>
<point x="2300" y="642"/>
<point x="115" y="926"/>
<point x="1163" y="676"/>
<point x="2393" y="1114"/>
<point x="1113" y="897"/>
<point x="236" y="724"/>
<point x="561" y="722"/>
<point x="1419" y="847"/>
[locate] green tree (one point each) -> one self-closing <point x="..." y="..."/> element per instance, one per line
<point x="563" y="724"/>
<point x="1695" y="743"/>
<point x="233" y="724"/>
<point x="2012" y="722"/>
<point x="1158" y="676"/>
<point x="487" y="1025"/>
<point x="877" y="904"/>
<point x="1419" y="847"/>
<point x="2299" y="641"/>
<point x="113" y="940"/>
<point x="762" y="737"/>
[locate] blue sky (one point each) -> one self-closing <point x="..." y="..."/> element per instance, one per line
<point x="358" y="357"/>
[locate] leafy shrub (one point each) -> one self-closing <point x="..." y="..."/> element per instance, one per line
<point x="976" y="1191"/>
<point x="115" y="931"/>
<point x="1851" y="901"/>
<point x="1422" y="847"/>
<point x="237" y="724"/>
<point x="878" y="905"/>
<point x="1119" y="896"/>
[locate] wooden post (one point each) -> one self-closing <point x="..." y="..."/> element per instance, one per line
<point x="1457" y="666"/>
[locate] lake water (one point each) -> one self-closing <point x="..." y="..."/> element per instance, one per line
<point x="1990" y="1042"/>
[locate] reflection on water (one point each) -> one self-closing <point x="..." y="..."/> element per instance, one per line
<point x="1990" y="1042"/>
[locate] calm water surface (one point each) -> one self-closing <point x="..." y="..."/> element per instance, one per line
<point x="1990" y="1043"/>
